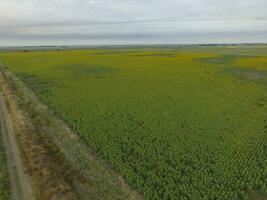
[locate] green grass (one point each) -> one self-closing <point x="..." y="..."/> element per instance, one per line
<point x="176" y="123"/>
<point x="4" y="182"/>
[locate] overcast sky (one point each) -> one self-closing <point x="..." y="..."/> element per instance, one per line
<point x="59" y="22"/>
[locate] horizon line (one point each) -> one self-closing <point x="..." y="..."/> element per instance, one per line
<point x="101" y="45"/>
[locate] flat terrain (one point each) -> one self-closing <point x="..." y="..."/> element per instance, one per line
<point x="4" y="181"/>
<point x="19" y="182"/>
<point x="177" y="123"/>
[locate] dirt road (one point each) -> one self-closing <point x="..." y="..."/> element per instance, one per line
<point x="19" y="181"/>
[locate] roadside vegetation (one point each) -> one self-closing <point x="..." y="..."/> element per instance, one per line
<point x="66" y="167"/>
<point x="4" y="181"/>
<point x="178" y="124"/>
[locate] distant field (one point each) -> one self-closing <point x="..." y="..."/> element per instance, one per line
<point x="188" y="123"/>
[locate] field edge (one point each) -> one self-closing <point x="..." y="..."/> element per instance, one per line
<point x="104" y="182"/>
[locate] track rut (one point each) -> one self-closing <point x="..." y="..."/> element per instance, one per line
<point x="19" y="180"/>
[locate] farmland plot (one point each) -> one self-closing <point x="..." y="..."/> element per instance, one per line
<point x="180" y="125"/>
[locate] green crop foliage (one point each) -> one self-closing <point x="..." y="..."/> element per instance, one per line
<point x="185" y="124"/>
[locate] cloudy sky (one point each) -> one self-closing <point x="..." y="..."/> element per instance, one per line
<point x="59" y="22"/>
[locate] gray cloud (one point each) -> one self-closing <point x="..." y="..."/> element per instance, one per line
<point x="35" y="22"/>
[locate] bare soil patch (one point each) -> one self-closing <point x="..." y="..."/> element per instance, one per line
<point x="250" y="74"/>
